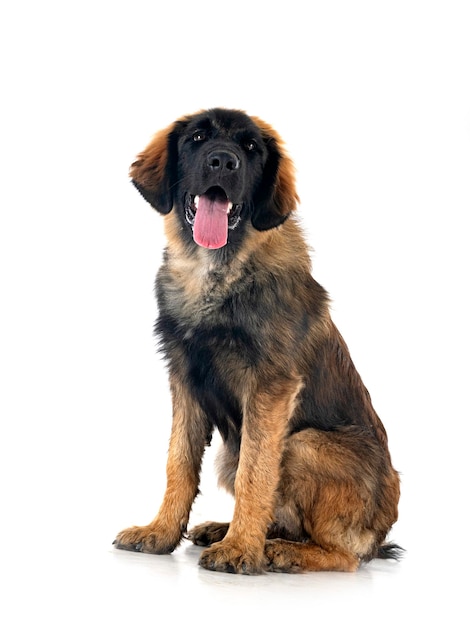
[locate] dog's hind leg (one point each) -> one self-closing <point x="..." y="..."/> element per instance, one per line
<point x="337" y="500"/>
<point x="292" y="557"/>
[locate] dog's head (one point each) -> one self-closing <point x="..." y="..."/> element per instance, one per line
<point x="221" y="171"/>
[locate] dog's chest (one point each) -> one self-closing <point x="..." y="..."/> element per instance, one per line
<point x="199" y="293"/>
<point x="203" y="316"/>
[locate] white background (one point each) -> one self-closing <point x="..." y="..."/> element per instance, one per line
<point x="373" y="100"/>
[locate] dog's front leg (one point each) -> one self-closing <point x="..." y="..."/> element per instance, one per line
<point x="265" y="419"/>
<point x="189" y="434"/>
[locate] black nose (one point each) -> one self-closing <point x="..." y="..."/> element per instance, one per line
<point x="223" y="160"/>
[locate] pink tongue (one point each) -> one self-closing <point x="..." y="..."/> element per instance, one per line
<point x="210" y="228"/>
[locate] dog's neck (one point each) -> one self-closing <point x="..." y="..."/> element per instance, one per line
<point x="270" y="245"/>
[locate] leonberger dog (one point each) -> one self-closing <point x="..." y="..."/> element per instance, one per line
<point x="252" y="351"/>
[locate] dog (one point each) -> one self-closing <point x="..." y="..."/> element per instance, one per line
<point x="252" y="351"/>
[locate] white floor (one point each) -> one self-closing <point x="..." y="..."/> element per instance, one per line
<point x="89" y="585"/>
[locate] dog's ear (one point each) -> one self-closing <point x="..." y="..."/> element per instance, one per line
<point x="276" y="196"/>
<point x="155" y="171"/>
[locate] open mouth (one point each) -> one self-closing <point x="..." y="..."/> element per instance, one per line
<point x="211" y="216"/>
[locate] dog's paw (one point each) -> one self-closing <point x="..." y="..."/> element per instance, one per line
<point x="292" y="557"/>
<point x="208" y="533"/>
<point x="280" y="559"/>
<point x="232" y="558"/>
<point x="146" y="539"/>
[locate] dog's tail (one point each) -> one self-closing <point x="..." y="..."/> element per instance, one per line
<point x="390" y="551"/>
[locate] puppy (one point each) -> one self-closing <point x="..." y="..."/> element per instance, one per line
<point x="252" y="351"/>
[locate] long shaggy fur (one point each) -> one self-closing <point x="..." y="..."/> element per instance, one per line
<point x="252" y="351"/>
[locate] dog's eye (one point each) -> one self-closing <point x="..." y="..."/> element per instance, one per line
<point x="250" y="145"/>
<point x="199" y="135"/>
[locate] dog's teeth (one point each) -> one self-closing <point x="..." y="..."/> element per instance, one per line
<point x="196" y="201"/>
<point x="229" y="208"/>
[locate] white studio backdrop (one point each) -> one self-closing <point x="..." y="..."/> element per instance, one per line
<point x="373" y="101"/>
